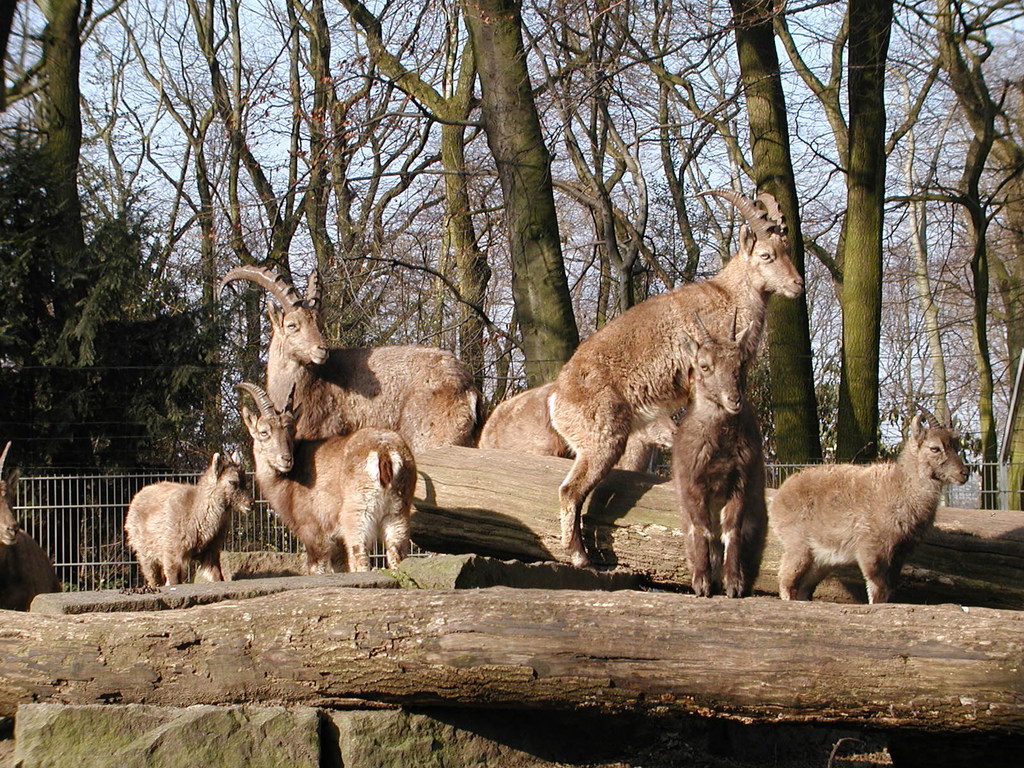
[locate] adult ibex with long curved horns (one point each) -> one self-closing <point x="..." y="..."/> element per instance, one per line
<point x="636" y="368"/>
<point x="424" y="393"/>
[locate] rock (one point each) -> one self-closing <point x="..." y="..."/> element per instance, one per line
<point x="189" y="595"/>
<point x="467" y="738"/>
<point x="127" y="736"/>
<point x="476" y="572"/>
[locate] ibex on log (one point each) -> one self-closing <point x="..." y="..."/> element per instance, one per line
<point x="718" y="471"/>
<point x="870" y="514"/>
<point x="424" y="393"/>
<point x="635" y="369"/>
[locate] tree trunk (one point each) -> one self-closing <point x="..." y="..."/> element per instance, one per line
<point x="930" y="669"/>
<point x="539" y="283"/>
<point x="63" y="125"/>
<point x="870" y="24"/>
<point x="633" y="521"/>
<point x="794" y="406"/>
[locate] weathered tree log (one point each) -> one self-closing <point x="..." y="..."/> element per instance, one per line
<point x="506" y="505"/>
<point x="928" y="668"/>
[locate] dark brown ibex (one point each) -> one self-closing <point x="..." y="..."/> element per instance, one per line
<point x="633" y="370"/>
<point x="870" y="514"/>
<point x="424" y="393"/>
<point x="339" y="495"/>
<point x="25" y="569"/>
<point x="718" y="471"/>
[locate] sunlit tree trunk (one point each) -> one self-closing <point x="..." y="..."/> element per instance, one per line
<point x="794" y="407"/>
<point x="870" y="23"/>
<point x="539" y="283"/>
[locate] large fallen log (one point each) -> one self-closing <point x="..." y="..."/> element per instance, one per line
<point x="927" y="668"/>
<point x="506" y="505"/>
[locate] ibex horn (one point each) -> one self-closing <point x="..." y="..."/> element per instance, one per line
<point x="757" y="218"/>
<point x="932" y="421"/>
<point x="270" y="279"/>
<point x="262" y="398"/>
<point x="3" y="456"/>
<point x="707" y="337"/>
<point x="314" y="289"/>
<point x="771" y="206"/>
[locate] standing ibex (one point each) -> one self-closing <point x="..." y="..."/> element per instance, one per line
<point x="170" y="525"/>
<point x="424" y="393"/>
<point x="633" y="370"/>
<point x="25" y="570"/>
<point x="873" y="515"/>
<point x="339" y="495"/>
<point x="718" y="470"/>
<point x="522" y="424"/>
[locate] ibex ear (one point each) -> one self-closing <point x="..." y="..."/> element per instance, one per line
<point x="236" y="457"/>
<point x="276" y="314"/>
<point x="747" y="239"/>
<point x="9" y="483"/>
<point x="249" y="419"/>
<point x="217" y="464"/>
<point x="916" y="430"/>
<point x="689" y="344"/>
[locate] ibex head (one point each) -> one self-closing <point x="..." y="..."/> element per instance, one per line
<point x="8" y="523"/>
<point x="272" y="431"/>
<point x="937" y="449"/>
<point x="764" y="243"/>
<point x="716" y="374"/>
<point x="227" y="472"/>
<point x="297" y="323"/>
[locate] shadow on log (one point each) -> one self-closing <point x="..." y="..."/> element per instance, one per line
<point x="505" y="505"/>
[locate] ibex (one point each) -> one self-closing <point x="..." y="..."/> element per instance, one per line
<point x="873" y="515"/>
<point x="170" y="525"/>
<point x="522" y="424"/>
<point x="339" y="495"/>
<point x="633" y="370"/>
<point x="424" y="393"/>
<point x="25" y="569"/>
<point x="718" y="471"/>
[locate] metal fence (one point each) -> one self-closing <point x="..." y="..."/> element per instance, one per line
<point x="79" y="522"/>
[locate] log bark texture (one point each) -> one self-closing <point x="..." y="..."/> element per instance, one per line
<point x="929" y="668"/>
<point x="505" y="505"/>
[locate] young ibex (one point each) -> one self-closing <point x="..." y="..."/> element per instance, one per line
<point x="718" y="471"/>
<point x="872" y="515"/>
<point x="170" y="525"/>
<point x="339" y="495"/>
<point x="633" y="370"/>
<point x="425" y="394"/>
<point x="522" y="424"/>
<point x="25" y="570"/>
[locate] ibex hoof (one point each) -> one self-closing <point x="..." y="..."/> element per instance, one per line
<point x="579" y="559"/>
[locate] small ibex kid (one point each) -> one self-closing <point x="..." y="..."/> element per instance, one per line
<point x="872" y="515"/>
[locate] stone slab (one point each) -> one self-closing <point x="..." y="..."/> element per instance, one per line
<point x="188" y="595"/>
<point x="140" y="736"/>
<point x="476" y="572"/>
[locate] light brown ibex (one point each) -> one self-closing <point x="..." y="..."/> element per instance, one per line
<point x="25" y="569"/>
<point x="870" y="514"/>
<point x="339" y="495"/>
<point x="170" y="525"/>
<point x="424" y="393"/>
<point x="718" y="471"/>
<point x="634" y="370"/>
<point x="522" y="424"/>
